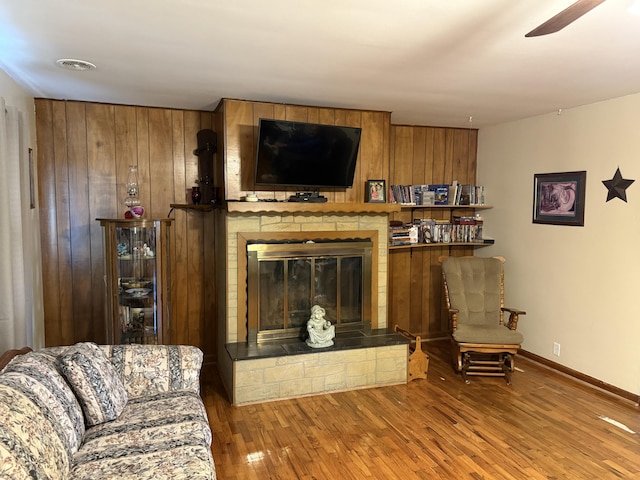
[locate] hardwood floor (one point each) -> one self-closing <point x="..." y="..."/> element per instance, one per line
<point x="545" y="426"/>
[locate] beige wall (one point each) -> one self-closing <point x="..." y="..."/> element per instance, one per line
<point x="579" y="285"/>
<point x="18" y="97"/>
<point x="15" y="96"/>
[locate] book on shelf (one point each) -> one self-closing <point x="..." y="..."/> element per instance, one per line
<point x="437" y="194"/>
<point x="428" y="230"/>
<point x="403" y="234"/>
<point x="441" y="193"/>
<point x="402" y="194"/>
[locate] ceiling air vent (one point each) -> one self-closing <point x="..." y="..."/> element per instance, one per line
<point x="72" y="64"/>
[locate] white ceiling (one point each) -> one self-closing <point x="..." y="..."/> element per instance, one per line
<point x="429" y="62"/>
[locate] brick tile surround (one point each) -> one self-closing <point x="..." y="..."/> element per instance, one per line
<point x="251" y="380"/>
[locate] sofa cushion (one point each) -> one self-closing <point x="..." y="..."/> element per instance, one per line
<point x="41" y="423"/>
<point x="160" y="436"/>
<point x="94" y="381"/>
<point x="148" y="369"/>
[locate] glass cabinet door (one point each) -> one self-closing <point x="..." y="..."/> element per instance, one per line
<point x="137" y="278"/>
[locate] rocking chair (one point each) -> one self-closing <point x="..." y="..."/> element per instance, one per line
<point x="481" y="342"/>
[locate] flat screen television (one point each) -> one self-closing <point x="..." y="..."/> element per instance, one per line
<point x="306" y="155"/>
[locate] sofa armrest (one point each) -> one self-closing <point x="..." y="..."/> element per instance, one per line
<point x="149" y="369"/>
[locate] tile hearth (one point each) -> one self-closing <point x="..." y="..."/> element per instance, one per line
<point x="290" y="368"/>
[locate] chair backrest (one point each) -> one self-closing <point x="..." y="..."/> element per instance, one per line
<point x="475" y="287"/>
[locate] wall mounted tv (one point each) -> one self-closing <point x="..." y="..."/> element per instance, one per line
<point x="306" y="155"/>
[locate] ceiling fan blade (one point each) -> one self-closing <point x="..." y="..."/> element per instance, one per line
<point x="564" y="18"/>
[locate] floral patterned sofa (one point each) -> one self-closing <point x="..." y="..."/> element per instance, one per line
<point x="104" y="412"/>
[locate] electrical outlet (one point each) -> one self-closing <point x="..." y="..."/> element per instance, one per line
<point x="556" y="349"/>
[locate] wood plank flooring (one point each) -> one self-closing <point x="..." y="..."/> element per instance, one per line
<point x="545" y="426"/>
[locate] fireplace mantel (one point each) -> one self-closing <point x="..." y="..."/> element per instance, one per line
<point x="305" y="207"/>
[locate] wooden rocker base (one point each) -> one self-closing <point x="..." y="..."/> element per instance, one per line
<point x="418" y="360"/>
<point x="472" y="359"/>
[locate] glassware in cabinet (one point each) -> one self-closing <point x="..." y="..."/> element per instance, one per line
<point x="137" y="280"/>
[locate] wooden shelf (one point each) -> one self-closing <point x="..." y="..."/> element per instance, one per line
<point x="485" y="243"/>
<point x="190" y="206"/>
<point x="450" y="207"/>
<point x="305" y="207"/>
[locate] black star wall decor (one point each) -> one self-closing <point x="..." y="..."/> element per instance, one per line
<point x="617" y="186"/>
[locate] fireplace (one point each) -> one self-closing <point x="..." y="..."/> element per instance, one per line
<point x="285" y="279"/>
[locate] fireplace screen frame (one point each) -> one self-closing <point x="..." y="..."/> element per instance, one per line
<point x="265" y="251"/>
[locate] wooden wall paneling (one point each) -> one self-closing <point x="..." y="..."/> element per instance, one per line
<point x="238" y="116"/>
<point x="399" y="261"/>
<point x="209" y="318"/>
<point x="143" y="156"/>
<point x="340" y="117"/>
<point x="220" y="274"/>
<point x="195" y="244"/>
<point x="195" y="277"/>
<point x="219" y="168"/>
<point x="84" y="151"/>
<point x="48" y="226"/>
<point x="449" y="161"/>
<point x="438" y="318"/>
<point x="439" y="152"/>
<point x="472" y="165"/>
<point x="181" y="183"/>
<point x="353" y="118"/>
<point x="240" y="120"/>
<point x="219" y="243"/>
<point x="419" y="164"/>
<point x="402" y="155"/>
<point x="61" y="210"/>
<point x="419" y="315"/>
<point x="103" y="201"/>
<point x="401" y="162"/>
<point x="179" y="328"/>
<point x="161" y="181"/>
<point x="248" y="135"/>
<point x="85" y="318"/>
<point x="126" y="153"/>
<point x="63" y="221"/>
<point x="424" y="155"/>
<point x="460" y="154"/>
<point x="327" y="116"/>
<point x="262" y="110"/>
<point x="199" y="292"/>
<point x="179" y="321"/>
<point x="313" y="114"/>
<point x="399" y="288"/>
<point x="374" y="161"/>
<point x="280" y="113"/>
<point x="296" y="113"/>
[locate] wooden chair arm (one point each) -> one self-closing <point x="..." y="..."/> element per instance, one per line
<point x="453" y="319"/>
<point x="512" y="323"/>
<point x="10" y="354"/>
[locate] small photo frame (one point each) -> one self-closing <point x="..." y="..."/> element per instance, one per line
<point x="376" y="191"/>
<point x="558" y="198"/>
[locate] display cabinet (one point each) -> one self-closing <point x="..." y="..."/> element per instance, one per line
<point x="137" y="280"/>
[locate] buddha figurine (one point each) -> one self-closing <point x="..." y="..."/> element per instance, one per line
<point x="321" y="332"/>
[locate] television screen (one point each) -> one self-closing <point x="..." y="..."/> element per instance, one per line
<point x="306" y="155"/>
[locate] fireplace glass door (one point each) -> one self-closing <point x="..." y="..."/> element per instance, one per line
<point x="286" y="280"/>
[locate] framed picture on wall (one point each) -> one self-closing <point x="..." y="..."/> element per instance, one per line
<point x="376" y="191"/>
<point x="558" y="198"/>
